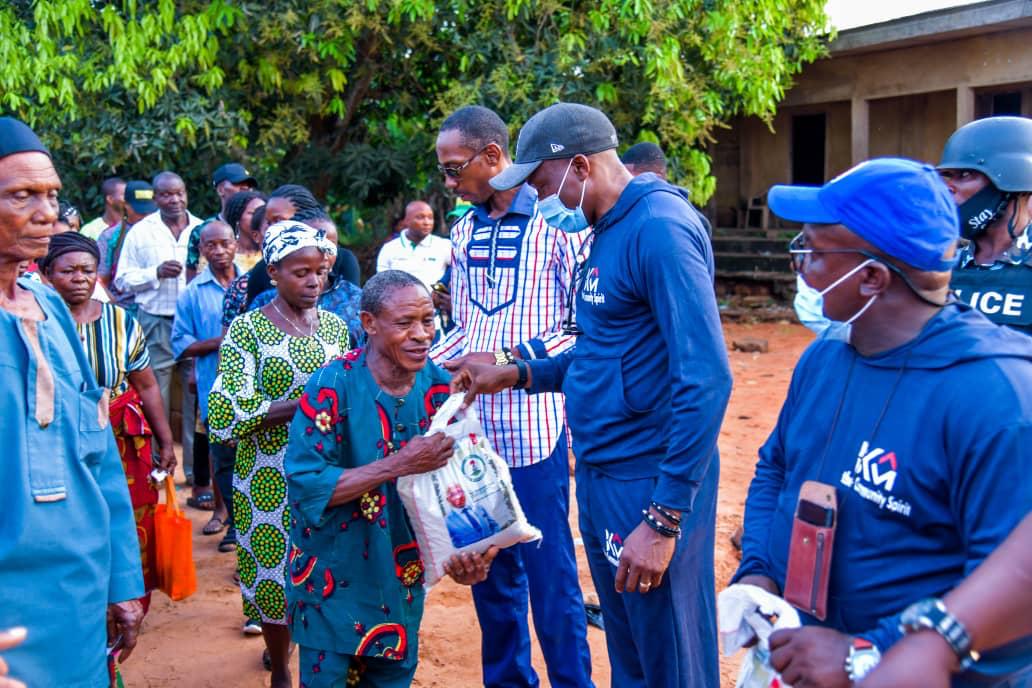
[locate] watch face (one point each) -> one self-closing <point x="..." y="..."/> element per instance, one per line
<point x="863" y="662"/>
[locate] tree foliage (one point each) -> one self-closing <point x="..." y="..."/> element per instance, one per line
<point x="346" y="96"/>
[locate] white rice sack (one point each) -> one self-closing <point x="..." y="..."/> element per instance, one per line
<point x="468" y="504"/>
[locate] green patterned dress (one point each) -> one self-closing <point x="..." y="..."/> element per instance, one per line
<point x="260" y="364"/>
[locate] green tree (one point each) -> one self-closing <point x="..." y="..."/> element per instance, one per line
<point x="346" y="96"/>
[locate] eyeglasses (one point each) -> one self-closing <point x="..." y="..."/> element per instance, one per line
<point x="798" y="252"/>
<point x="456" y="172"/>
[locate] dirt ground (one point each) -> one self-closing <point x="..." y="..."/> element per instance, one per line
<point x="198" y="642"/>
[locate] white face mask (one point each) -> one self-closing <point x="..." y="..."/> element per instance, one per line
<point x="842" y="279"/>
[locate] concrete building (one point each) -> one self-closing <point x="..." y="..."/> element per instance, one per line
<point x="896" y="88"/>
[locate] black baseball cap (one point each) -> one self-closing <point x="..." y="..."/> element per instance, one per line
<point x="140" y="197"/>
<point x="558" y="132"/>
<point x="232" y="172"/>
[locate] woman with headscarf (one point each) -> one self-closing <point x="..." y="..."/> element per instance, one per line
<point x="117" y="352"/>
<point x="265" y="360"/>
<point x="340" y="296"/>
<point x="295" y="202"/>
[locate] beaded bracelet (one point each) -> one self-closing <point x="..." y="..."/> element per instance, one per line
<point x="652" y="522"/>
<point x="666" y="513"/>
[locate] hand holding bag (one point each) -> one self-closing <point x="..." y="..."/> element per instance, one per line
<point x="177" y="576"/>
<point x="468" y="504"/>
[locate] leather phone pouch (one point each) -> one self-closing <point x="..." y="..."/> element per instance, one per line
<point x="810" y="550"/>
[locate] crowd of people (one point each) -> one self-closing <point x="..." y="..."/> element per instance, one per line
<point x="572" y="301"/>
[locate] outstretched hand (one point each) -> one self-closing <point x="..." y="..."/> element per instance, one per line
<point x="478" y="378"/>
<point x="471" y="567"/>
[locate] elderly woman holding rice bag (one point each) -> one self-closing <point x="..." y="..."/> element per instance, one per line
<point x="355" y="588"/>
<point x="265" y="360"/>
<point x="117" y="352"/>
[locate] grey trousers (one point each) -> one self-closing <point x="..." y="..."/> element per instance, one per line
<point x="158" y="330"/>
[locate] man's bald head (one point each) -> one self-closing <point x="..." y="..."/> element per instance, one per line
<point x="216" y="229"/>
<point x="218" y="246"/>
<point x="645" y="157"/>
<point x="418" y="221"/>
<point x="170" y="196"/>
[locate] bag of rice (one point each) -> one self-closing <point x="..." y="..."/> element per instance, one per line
<point x="468" y="504"/>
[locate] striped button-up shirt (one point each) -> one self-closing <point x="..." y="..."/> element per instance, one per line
<point x="511" y="281"/>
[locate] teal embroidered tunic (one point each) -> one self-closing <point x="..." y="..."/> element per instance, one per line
<point x="68" y="544"/>
<point x="355" y="576"/>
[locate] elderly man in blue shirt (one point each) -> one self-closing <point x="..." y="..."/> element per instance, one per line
<point x="197" y="333"/>
<point x="69" y="556"/>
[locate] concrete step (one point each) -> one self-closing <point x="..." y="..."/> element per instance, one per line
<point x="748" y="244"/>
<point x="776" y="232"/>
<point x="755" y="276"/>
<point x="753" y="262"/>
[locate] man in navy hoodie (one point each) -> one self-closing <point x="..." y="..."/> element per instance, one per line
<point x="646" y="388"/>
<point x="920" y="425"/>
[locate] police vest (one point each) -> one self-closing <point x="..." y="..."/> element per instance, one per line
<point x="1004" y="295"/>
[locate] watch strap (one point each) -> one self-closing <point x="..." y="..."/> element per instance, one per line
<point x="931" y="614"/>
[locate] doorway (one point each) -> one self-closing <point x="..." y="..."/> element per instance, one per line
<point x="808" y="142"/>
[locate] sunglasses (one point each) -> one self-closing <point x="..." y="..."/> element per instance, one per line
<point x="454" y="171"/>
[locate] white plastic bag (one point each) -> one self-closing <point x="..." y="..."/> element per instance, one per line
<point x="744" y="612"/>
<point x="468" y="504"/>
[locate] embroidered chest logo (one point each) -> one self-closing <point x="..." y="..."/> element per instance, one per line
<point x="613" y="547"/>
<point x="874" y="478"/>
<point x="591" y="293"/>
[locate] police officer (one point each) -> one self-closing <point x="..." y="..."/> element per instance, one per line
<point x="987" y="165"/>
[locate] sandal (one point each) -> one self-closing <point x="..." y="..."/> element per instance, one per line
<point x="204" y="501"/>
<point x="214" y="526"/>
<point x="229" y="543"/>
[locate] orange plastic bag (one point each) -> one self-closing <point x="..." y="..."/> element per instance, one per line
<point x="177" y="576"/>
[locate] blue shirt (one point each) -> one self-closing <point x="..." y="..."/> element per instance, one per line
<point x="929" y="447"/>
<point x="68" y="543"/>
<point x="648" y="382"/>
<point x="199" y="317"/>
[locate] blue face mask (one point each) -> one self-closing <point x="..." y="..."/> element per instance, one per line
<point x="558" y="215"/>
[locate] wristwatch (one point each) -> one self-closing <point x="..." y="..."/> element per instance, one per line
<point x="504" y="357"/>
<point x="931" y="614"/>
<point x="862" y="658"/>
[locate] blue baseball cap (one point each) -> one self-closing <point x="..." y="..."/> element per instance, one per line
<point x="901" y="207"/>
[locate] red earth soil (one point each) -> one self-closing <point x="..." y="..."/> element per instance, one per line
<point x="198" y="643"/>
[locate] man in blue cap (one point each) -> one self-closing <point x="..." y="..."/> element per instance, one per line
<point x="138" y="204"/>
<point x="900" y="458"/>
<point x="646" y="388"/>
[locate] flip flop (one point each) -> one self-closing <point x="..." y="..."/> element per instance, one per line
<point x="204" y="501"/>
<point x="229" y="543"/>
<point x="214" y="526"/>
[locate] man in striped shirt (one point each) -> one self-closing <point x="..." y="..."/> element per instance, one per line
<point x="512" y="276"/>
